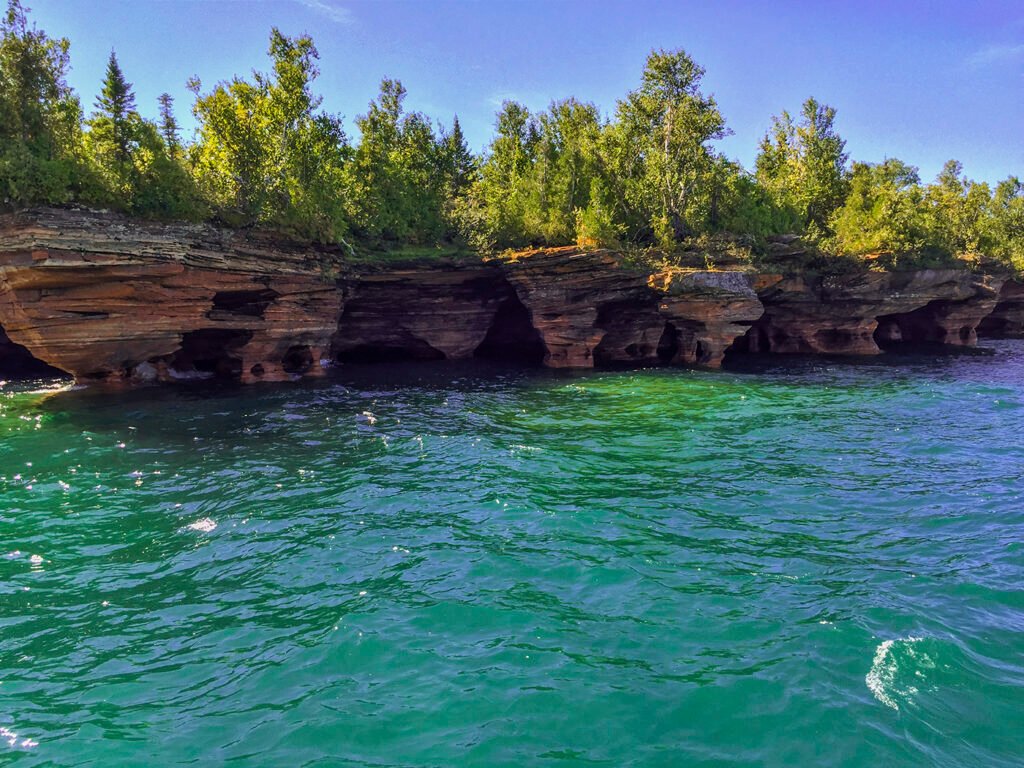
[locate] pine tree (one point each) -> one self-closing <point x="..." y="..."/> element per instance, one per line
<point x="459" y="162"/>
<point x="117" y="103"/>
<point x="169" y="125"/>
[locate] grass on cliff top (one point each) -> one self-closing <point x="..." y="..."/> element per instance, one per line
<point x="383" y="255"/>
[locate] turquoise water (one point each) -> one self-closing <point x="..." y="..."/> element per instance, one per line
<point x="811" y="564"/>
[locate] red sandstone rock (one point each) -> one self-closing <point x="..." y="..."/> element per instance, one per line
<point x="853" y="314"/>
<point x="1007" y="318"/>
<point x="590" y="308"/>
<point x="104" y="297"/>
<point x="419" y="312"/>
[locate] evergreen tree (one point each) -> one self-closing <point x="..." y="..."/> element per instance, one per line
<point x="169" y="130"/>
<point x="458" y="162"/>
<point x="115" y="107"/>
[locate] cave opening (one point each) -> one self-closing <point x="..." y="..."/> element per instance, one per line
<point x="248" y="303"/>
<point x="512" y="336"/>
<point x="211" y="353"/>
<point x="903" y="329"/>
<point x="16" y="362"/>
<point x="668" y="344"/>
<point x="406" y="349"/>
<point x="754" y="342"/>
<point x="297" y="360"/>
<point x="995" y="325"/>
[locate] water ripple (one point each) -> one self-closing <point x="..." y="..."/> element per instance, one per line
<point x="441" y="565"/>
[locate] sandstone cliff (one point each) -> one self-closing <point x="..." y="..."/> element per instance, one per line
<point x="864" y="313"/>
<point x="106" y="298"/>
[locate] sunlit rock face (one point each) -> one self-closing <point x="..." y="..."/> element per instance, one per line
<point x="110" y="299"/>
<point x="106" y="298"/>
<point x="592" y="308"/>
<point x="1007" y="318"/>
<point x="865" y="313"/>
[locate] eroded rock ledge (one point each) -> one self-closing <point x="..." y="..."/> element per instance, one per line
<point x="106" y="298"/>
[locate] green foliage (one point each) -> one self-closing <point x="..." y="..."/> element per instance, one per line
<point x="265" y="154"/>
<point x="40" y="116"/>
<point x="494" y="216"/>
<point x="169" y="130"/>
<point x="136" y="169"/>
<point x="399" y="176"/>
<point x="1005" y="225"/>
<point x="117" y="118"/>
<point x="802" y="166"/>
<point x="883" y="212"/>
<point x="647" y="181"/>
<point x="664" y="158"/>
<point x="956" y="210"/>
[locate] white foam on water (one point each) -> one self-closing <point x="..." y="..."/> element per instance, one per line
<point x="883" y="677"/>
<point x="205" y="525"/>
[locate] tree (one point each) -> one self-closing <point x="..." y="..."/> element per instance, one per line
<point x="884" y="212"/>
<point x="113" y="131"/>
<point x="566" y="167"/>
<point x="397" y="177"/>
<point x="169" y="130"/>
<point x="1006" y="223"/>
<point x="956" y="209"/>
<point x="458" y="163"/>
<point x="803" y="166"/>
<point x="667" y="125"/>
<point x="265" y="153"/>
<point x="40" y="116"/>
<point x="494" y="215"/>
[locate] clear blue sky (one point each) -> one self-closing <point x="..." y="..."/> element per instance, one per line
<point x="922" y="81"/>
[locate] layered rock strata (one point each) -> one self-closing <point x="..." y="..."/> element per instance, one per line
<point x="560" y="308"/>
<point x="865" y="313"/>
<point x="1007" y="318"/>
<point x="106" y="298"/>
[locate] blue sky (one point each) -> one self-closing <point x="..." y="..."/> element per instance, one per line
<point x="922" y="81"/>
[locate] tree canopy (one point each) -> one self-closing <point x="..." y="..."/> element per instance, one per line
<point x="648" y="175"/>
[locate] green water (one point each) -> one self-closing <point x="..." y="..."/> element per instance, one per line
<point x="815" y="564"/>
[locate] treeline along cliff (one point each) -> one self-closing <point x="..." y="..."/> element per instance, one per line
<point x="269" y="242"/>
<point x="648" y="175"/>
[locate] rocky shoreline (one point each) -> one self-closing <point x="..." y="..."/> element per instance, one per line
<point x="108" y="299"/>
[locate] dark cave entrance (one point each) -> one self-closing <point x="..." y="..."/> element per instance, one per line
<point x="249" y="303"/>
<point x="16" y="362"/>
<point x="512" y="337"/>
<point x="668" y="344"/>
<point x="298" y="359"/>
<point x="920" y="327"/>
<point x="407" y="349"/>
<point x="211" y="353"/>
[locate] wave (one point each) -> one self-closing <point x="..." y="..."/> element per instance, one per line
<point x="897" y="670"/>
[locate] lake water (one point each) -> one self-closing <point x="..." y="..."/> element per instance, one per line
<point x="810" y="564"/>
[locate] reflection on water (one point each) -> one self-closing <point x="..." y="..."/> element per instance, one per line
<point x="814" y="564"/>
